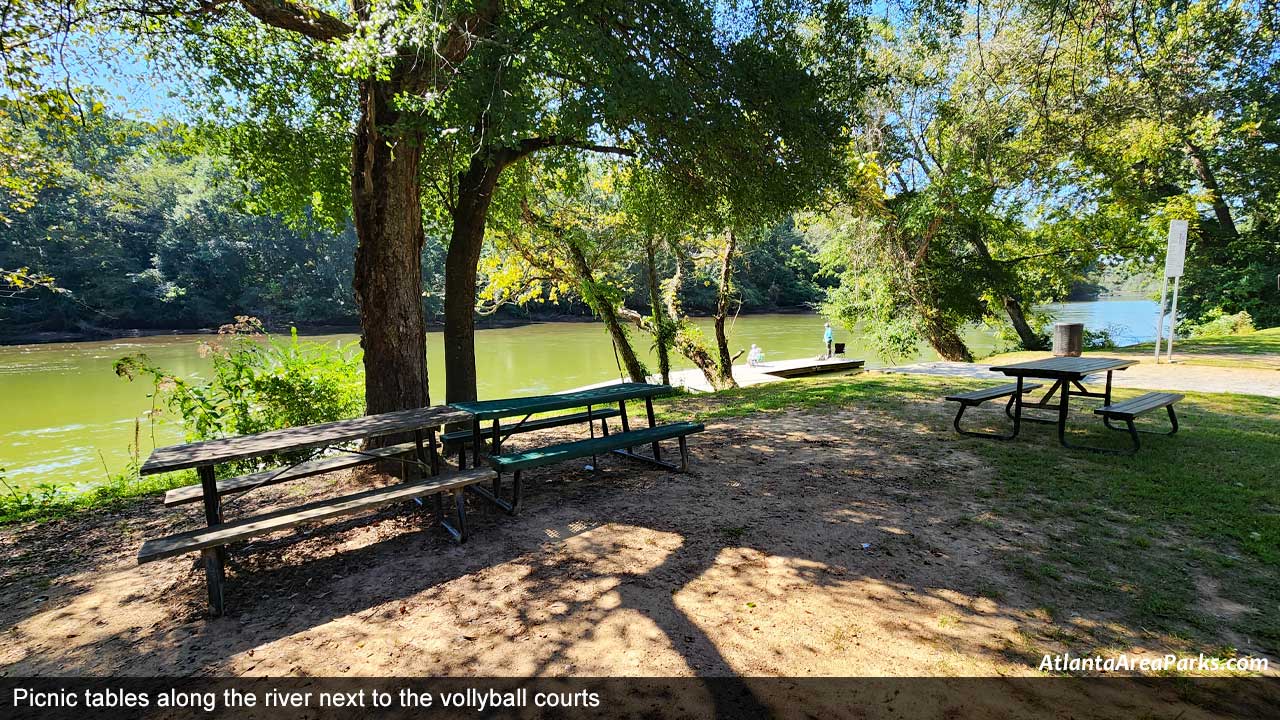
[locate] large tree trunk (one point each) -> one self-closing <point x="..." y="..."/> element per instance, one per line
<point x="944" y="338"/>
<point x="1220" y="208"/>
<point x="387" y="211"/>
<point x="662" y="328"/>
<point x="475" y="193"/>
<point x="725" y="359"/>
<point x="1029" y="338"/>
<point x="603" y="307"/>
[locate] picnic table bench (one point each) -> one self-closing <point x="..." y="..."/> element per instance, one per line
<point x="1068" y="374"/>
<point x="212" y="540"/>
<point x="623" y="443"/>
<point x="461" y="439"/>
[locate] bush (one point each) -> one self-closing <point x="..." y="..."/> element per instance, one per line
<point x="1218" y="322"/>
<point x="1100" y="339"/>
<point x="259" y="383"/>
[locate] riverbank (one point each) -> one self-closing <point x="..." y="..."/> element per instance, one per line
<point x="823" y="517"/>
<point x="487" y="322"/>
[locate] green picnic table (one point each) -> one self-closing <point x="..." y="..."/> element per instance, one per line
<point x="592" y="398"/>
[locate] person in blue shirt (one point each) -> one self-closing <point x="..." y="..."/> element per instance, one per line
<point x="828" y="338"/>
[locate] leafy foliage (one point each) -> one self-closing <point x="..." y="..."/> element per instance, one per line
<point x="258" y="384"/>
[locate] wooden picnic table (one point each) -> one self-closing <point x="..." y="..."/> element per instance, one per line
<point x="207" y="455"/>
<point x="1066" y="372"/>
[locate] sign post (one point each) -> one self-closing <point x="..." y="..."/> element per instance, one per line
<point x="1174" y="260"/>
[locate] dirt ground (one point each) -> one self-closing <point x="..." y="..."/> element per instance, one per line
<point x="801" y="543"/>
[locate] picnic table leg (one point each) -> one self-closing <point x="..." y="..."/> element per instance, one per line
<point x="435" y="456"/>
<point x="214" y="558"/>
<point x="420" y="455"/>
<point x="496" y="449"/>
<point x="1017" y="408"/>
<point x="591" y="431"/>
<point x="622" y="409"/>
<point x="1063" y="408"/>
<point x="648" y="407"/>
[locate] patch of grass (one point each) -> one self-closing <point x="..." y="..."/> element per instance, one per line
<point x="733" y="532"/>
<point x="1258" y="342"/>
<point x="50" y="502"/>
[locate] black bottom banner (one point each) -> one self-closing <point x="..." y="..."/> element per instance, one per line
<point x="271" y="698"/>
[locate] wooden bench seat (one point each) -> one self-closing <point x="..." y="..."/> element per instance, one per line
<point x="226" y="533"/>
<point x="1128" y="410"/>
<point x="319" y="466"/>
<point x="974" y="398"/>
<point x="981" y="395"/>
<point x="620" y="443"/>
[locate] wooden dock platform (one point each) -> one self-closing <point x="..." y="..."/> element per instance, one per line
<point x="773" y="371"/>
<point x="799" y="368"/>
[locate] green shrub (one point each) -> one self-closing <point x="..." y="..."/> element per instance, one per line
<point x="259" y="383"/>
<point x="1217" y="322"/>
<point x="1102" y="339"/>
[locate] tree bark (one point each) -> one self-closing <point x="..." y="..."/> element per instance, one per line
<point x="689" y="342"/>
<point x="662" y="328"/>
<point x="608" y="313"/>
<point x="475" y="194"/>
<point x="1220" y="208"/>
<point x="945" y="340"/>
<point x="724" y="359"/>
<point x="387" y="212"/>
<point x="1027" y="337"/>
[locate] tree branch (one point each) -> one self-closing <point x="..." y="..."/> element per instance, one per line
<point x="299" y="18"/>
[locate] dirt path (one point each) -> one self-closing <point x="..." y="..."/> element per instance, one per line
<point x="838" y="543"/>
<point x="1147" y="376"/>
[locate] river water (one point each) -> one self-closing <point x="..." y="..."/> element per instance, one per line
<point x="68" y="419"/>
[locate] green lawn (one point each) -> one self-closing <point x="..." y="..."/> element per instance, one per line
<point x="1255" y="349"/>
<point x="1135" y="534"/>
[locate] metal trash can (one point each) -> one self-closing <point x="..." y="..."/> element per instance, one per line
<point x="1068" y="339"/>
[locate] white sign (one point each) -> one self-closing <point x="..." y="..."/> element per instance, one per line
<point x="1176" y="253"/>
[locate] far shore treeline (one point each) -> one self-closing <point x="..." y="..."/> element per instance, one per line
<point x="911" y="169"/>
<point x="149" y="232"/>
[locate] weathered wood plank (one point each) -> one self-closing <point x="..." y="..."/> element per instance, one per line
<point x="211" y="452"/>
<point x="1064" y="367"/>
<point x="1136" y="406"/>
<point x="244" y="483"/>
<point x="991" y="393"/>
<point x="186" y="542"/>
